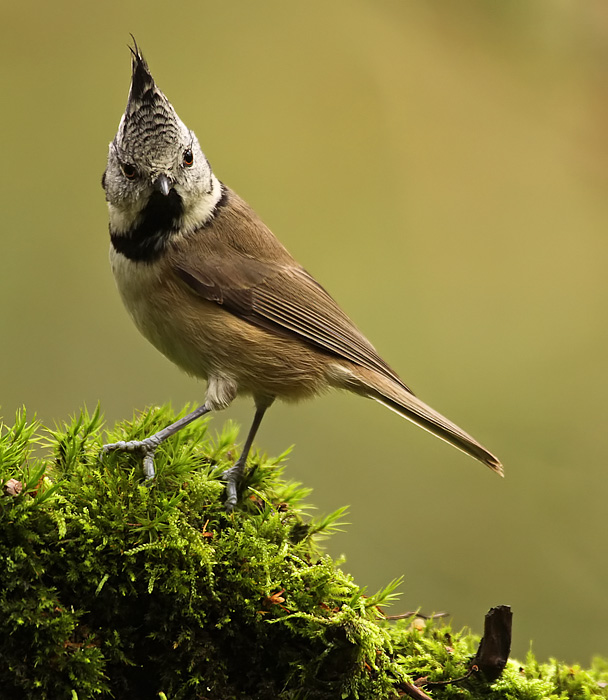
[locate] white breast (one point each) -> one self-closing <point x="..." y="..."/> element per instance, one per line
<point x="157" y="309"/>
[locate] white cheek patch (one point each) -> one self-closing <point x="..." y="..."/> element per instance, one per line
<point x="199" y="208"/>
<point x="122" y="218"/>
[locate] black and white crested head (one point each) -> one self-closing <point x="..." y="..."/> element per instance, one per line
<point x="150" y="128"/>
<point x="158" y="182"/>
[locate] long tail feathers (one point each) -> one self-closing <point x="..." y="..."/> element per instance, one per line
<point x="409" y="406"/>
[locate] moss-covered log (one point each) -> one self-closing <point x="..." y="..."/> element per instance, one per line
<point x="112" y="588"/>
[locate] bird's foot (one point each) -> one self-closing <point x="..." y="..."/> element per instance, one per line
<point x="146" y="448"/>
<point x="232" y="477"/>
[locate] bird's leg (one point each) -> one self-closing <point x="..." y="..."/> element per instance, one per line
<point x="233" y="475"/>
<point x="148" y="446"/>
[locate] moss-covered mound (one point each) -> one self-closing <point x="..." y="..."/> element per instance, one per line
<point x="112" y="588"/>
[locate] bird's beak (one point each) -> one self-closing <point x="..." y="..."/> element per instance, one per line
<point x="162" y="184"/>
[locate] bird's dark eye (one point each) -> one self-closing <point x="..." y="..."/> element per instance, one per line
<point x="129" y="170"/>
<point x="188" y="157"/>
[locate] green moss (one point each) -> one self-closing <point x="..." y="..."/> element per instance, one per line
<point x="113" y="588"/>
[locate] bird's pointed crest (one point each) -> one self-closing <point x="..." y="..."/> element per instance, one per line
<point x="143" y="88"/>
<point x="150" y="126"/>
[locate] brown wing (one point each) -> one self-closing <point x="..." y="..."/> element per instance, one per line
<point x="280" y="297"/>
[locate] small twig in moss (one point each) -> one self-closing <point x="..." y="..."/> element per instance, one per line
<point x="413" y="692"/>
<point x="415" y="613"/>
<point x="450" y="681"/>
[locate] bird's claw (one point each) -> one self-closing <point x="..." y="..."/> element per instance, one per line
<point x="146" y="448"/>
<point x="231" y="477"/>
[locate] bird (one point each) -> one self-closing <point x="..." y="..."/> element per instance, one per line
<point x="212" y="288"/>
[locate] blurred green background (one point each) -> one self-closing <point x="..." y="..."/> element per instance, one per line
<point x="441" y="168"/>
